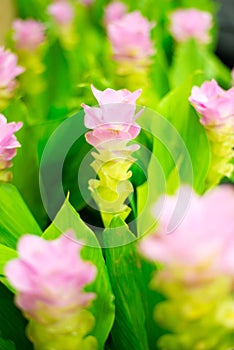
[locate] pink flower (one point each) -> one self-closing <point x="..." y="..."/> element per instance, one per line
<point x="49" y="277"/>
<point x="191" y="23"/>
<point x="8" y="141"/>
<point x="130" y="37"/>
<point x="203" y="243"/>
<point x="114" y="119"/>
<point x="29" y="34"/>
<point x="114" y="11"/>
<point x="8" y="69"/>
<point x="214" y="104"/>
<point x="62" y="12"/>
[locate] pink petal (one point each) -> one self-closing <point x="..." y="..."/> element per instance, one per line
<point x="93" y="117"/>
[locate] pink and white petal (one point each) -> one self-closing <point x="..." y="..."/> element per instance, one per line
<point x="31" y="249"/>
<point x="93" y="116"/>
<point x="118" y="113"/>
<point x="19" y="274"/>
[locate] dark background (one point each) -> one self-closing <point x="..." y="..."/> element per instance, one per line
<point x="225" y="48"/>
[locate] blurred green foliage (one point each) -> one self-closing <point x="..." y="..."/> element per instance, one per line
<point x="174" y="149"/>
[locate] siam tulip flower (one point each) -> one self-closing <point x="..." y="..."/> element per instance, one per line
<point x="49" y="290"/>
<point x="214" y="104"/>
<point x="111" y="96"/>
<point x="132" y="48"/>
<point x="62" y="277"/>
<point x="197" y="273"/>
<point x="62" y="12"/>
<point x="114" y="119"/>
<point x="200" y="246"/>
<point x="8" y="146"/>
<point x="130" y="38"/>
<point x="29" y="37"/>
<point x="113" y="126"/>
<point x="216" y="107"/>
<point x="28" y="34"/>
<point x="114" y="11"/>
<point x="191" y="23"/>
<point x="8" y="71"/>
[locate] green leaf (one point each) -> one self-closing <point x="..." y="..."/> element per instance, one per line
<point x="179" y="112"/>
<point x="26" y="165"/>
<point x="159" y="74"/>
<point x="6" y="254"/>
<point x="142" y="156"/>
<point x="6" y="345"/>
<point x="220" y="71"/>
<point x="102" y="307"/>
<point x="205" y="5"/>
<point x="12" y="323"/>
<point x="180" y="152"/>
<point x="191" y="57"/>
<point x="147" y="195"/>
<point x="57" y="75"/>
<point x="16" y="219"/>
<point x="124" y="267"/>
<point x="60" y="165"/>
<point x="31" y="8"/>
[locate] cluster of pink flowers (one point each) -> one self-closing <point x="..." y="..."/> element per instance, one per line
<point x="191" y="23"/>
<point x="201" y="247"/>
<point x="115" y="117"/>
<point x="129" y="34"/>
<point x="9" y="70"/>
<point x="214" y="104"/>
<point x="28" y="34"/>
<point x="62" y="12"/>
<point x="49" y="277"/>
<point x="8" y="146"/>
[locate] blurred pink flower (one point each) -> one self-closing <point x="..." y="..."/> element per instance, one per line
<point x="114" y="119"/>
<point x="130" y="37"/>
<point x="8" y="69"/>
<point x="62" y="12"/>
<point x="86" y="2"/>
<point x="191" y="23"/>
<point x="203" y="243"/>
<point x="114" y="11"/>
<point x="214" y="104"/>
<point x="28" y="34"/>
<point x="8" y="141"/>
<point x="49" y="276"/>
